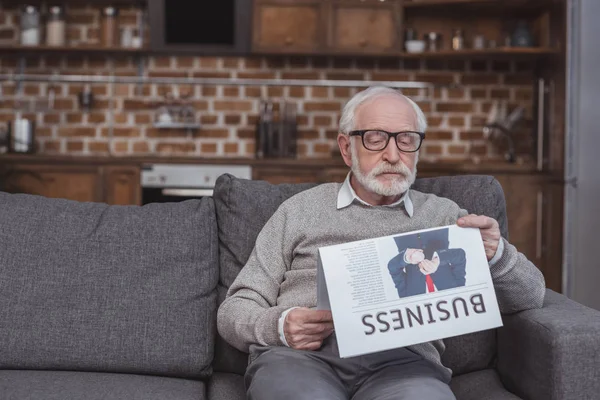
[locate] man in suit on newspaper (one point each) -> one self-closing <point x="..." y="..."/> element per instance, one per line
<point x="426" y="264"/>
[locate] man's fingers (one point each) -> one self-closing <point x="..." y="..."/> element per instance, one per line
<point x="476" y="221"/>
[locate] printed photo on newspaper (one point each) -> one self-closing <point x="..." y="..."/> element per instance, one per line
<point x="410" y="288"/>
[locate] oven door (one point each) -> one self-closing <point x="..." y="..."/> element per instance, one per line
<point x="173" y="195"/>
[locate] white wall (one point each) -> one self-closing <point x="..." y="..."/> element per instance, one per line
<point x="582" y="214"/>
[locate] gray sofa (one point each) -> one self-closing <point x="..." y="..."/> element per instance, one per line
<point x="114" y="302"/>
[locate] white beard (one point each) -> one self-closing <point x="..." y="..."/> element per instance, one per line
<point x="392" y="187"/>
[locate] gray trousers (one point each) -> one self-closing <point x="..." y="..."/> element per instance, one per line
<point x="281" y="373"/>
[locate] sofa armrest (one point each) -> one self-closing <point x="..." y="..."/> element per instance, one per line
<point x="551" y="353"/>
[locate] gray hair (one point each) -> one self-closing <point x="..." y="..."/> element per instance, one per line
<point x="347" y="122"/>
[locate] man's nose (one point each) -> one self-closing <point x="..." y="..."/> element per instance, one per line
<point x="391" y="153"/>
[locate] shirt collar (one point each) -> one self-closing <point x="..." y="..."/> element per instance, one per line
<point x="347" y="195"/>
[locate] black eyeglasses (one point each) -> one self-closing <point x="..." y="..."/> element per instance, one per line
<point x="377" y="140"/>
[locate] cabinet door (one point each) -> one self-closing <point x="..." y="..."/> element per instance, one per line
<point x="287" y="26"/>
<point x="122" y="185"/>
<point x="73" y="183"/>
<point x="365" y="26"/>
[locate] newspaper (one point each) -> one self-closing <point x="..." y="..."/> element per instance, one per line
<point x="404" y="289"/>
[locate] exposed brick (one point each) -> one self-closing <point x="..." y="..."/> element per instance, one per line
<point x="456" y="121"/>
<point x="390" y="76"/>
<point x="233" y="119"/>
<point x="322" y="120"/>
<point x="209" y="91"/>
<point x="208" y="148"/>
<point x="168" y="74"/>
<point x="165" y="133"/>
<point x="200" y="105"/>
<point x="203" y="74"/>
<point x="52" y="146"/>
<point x="454" y="107"/>
<point x="478" y="121"/>
<point x="209" y="62"/>
<point x="98" y="147"/>
<point x="161" y="62"/>
<point x="319" y="92"/>
<point x="245" y="133"/>
<point x="256" y="75"/>
<point x="300" y="75"/>
<point x="434" y="121"/>
<point x="208" y="119"/>
<point x="275" y="91"/>
<point x="480" y="79"/>
<point x="439" y="135"/>
<point x="480" y="149"/>
<point x="472" y="135"/>
<point x="239" y="105"/>
<point x="51" y="119"/>
<point x="212" y="133"/>
<point x="249" y="148"/>
<point x="499" y="93"/>
<point x="143" y="118"/>
<point x="123" y="132"/>
<point x="120" y="118"/>
<point x="424" y="105"/>
<point x="322" y="148"/>
<point x="134" y="104"/>
<point x="141" y="147"/>
<point x="185" y="62"/>
<point x="75" y="145"/>
<point x="331" y="134"/>
<point x="457" y="149"/>
<point x="308" y="134"/>
<point x="74" y="131"/>
<point x="433" y="149"/>
<point x="518" y="79"/>
<point x="253" y="63"/>
<point x="456" y="93"/>
<point x="479" y="94"/>
<point x="64" y="104"/>
<point x="302" y="149"/>
<point x="252" y="119"/>
<point x="74" y="118"/>
<point x="296" y="91"/>
<point x="345" y="76"/>
<point x="230" y="91"/>
<point x="253" y="91"/>
<point x="302" y="120"/>
<point x="173" y="147"/>
<point x="43" y="132"/>
<point x="230" y="148"/>
<point x="121" y="146"/>
<point x="321" y="106"/>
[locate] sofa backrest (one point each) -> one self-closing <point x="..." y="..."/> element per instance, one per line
<point x="91" y="287"/>
<point x="244" y="206"/>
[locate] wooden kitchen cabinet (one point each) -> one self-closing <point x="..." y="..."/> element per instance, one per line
<point x="122" y="185"/>
<point x="288" y="26"/>
<point x="73" y="183"/>
<point x="370" y="26"/>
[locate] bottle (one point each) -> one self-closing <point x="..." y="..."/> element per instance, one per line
<point x="458" y="41"/>
<point x="109" y="29"/>
<point x="55" y="27"/>
<point x="30" y="26"/>
<point x="521" y="36"/>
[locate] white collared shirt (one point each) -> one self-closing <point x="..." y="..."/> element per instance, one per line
<point x="347" y="195"/>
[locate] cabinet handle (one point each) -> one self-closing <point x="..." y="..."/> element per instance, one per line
<point x="540" y="125"/>
<point x="289" y="40"/>
<point x="538" y="223"/>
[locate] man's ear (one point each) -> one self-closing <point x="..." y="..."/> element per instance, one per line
<point x="344" y="144"/>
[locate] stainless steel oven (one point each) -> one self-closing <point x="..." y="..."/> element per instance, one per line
<point x="162" y="183"/>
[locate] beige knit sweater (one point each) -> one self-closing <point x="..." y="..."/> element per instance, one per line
<point x="281" y="271"/>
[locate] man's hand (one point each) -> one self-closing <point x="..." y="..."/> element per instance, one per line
<point x="428" y="267"/>
<point x="305" y="329"/>
<point x="489" y="229"/>
<point x="414" y="256"/>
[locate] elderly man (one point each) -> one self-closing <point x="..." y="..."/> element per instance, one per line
<point x="269" y="311"/>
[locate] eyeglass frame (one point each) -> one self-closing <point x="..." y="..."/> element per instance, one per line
<point x="362" y="132"/>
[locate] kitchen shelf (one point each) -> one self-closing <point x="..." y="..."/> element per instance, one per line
<point x="177" y="126"/>
<point x="71" y="49"/>
<point x="506" y="4"/>
<point x="489" y="53"/>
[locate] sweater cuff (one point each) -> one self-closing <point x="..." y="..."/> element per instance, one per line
<point x="499" y="252"/>
<point x="280" y="325"/>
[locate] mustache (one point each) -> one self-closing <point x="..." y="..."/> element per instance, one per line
<point x="386" y="168"/>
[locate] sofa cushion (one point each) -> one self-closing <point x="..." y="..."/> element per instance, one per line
<point x="226" y="387"/>
<point x="244" y="206"/>
<point x="92" y="287"/>
<point x="480" y="385"/>
<point x="63" y="385"/>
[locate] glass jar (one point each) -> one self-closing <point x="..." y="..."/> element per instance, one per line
<point x="56" y="27"/>
<point x="109" y="28"/>
<point x="30" y="25"/>
<point x="458" y="41"/>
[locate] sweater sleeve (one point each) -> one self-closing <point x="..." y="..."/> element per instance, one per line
<point x="518" y="283"/>
<point x="249" y="314"/>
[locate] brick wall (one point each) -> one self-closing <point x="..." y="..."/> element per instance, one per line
<point x="120" y="123"/>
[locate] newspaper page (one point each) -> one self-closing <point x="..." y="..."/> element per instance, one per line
<point x="405" y="289"/>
